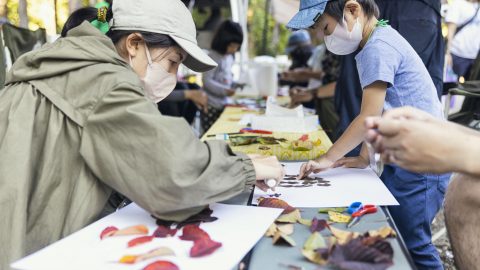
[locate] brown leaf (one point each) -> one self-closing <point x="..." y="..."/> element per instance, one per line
<point x="280" y="238"/>
<point x="371" y="253"/>
<point x="163" y="231"/>
<point x="193" y="233"/>
<point x="276" y="203"/>
<point x="318" y="225"/>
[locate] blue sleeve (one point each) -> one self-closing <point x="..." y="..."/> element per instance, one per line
<point x="378" y="61"/>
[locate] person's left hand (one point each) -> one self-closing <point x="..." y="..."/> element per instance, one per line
<point x="315" y="166"/>
<point x="352" y="162"/>
<point x="199" y="98"/>
<point x="300" y="96"/>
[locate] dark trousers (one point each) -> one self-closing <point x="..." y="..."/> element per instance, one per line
<point x="208" y="119"/>
<point x="462" y="66"/>
<point x="420" y="197"/>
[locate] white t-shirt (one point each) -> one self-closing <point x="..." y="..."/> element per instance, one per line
<point x="466" y="43"/>
<point x="315" y="63"/>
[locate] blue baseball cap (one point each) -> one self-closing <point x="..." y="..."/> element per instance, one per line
<point x="297" y="39"/>
<point x="308" y="13"/>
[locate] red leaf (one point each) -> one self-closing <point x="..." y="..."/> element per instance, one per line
<point x="204" y="247"/>
<point x="193" y="233"/>
<point x="304" y="138"/>
<point x="276" y="203"/>
<point x="318" y="225"/>
<point x="162" y="232"/>
<point x="161" y="265"/>
<point x="140" y="240"/>
<point x="108" y="232"/>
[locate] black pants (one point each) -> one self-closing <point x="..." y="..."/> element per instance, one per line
<point x="209" y="118"/>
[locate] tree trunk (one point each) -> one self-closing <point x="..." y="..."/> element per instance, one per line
<point x="3" y="8"/>
<point x="22" y="13"/>
<point x="74" y="5"/>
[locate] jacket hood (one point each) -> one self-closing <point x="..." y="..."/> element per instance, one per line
<point x="83" y="46"/>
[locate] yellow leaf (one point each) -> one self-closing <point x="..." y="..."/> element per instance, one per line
<point x="337" y="217"/>
<point x="286" y="228"/>
<point x="343" y="236"/>
<point x="162" y="251"/>
<point x="280" y="237"/>
<point x="384" y="232"/>
<point x="292" y="217"/>
<point x="314" y="257"/>
<point x="315" y="241"/>
<point x="271" y="230"/>
<point x="306" y="222"/>
<point x="317" y="142"/>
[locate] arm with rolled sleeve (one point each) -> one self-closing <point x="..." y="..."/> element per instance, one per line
<point x="156" y="160"/>
<point x="213" y="87"/>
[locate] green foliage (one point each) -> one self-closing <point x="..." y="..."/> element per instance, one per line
<point x="275" y="44"/>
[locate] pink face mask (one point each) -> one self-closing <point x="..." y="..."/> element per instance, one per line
<point x="158" y="82"/>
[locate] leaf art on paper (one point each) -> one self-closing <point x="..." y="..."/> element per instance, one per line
<point x="338" y="218"/>
<point x="202" y="243"/>
<point x="133" y="230"/>
<point x="292" y="181"/>
<point x="161" y="265"/>
<point x="139" y="241"/>
<point x="204" y="216"/>
<point x="276" y="203"/>
<point x="164" y="231"/>
<point x="131" y="259"/>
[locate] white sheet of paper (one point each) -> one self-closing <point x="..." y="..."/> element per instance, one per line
<point x="347" y="186"/>
<point x="238" y="228"/>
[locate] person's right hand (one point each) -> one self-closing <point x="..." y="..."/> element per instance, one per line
<point x="230" y="92"/>
<point x="315" y="166"/>
<point x="199" y="98"/>
<point x="267" y="168"/>
<point x="300" y="96"/>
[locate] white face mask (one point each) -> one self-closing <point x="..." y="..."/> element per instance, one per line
<point x="158" y="82"/>
<point x="342" y="41"/>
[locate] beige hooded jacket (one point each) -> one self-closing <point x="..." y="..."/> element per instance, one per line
<point x="75" y="125"/>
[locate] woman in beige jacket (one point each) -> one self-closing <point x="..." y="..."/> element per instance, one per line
<point x="78" y="121"/>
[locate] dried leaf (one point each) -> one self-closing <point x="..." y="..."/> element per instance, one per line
<point x="204" y="216"/>
<point x="243" y="140"/>
<point x="314" y="242"/>
<point x="286" y="228"/>
<point x="343" y="236"/>
<point x="275" y="203"/>
<point x="338" y="218"/>
<point x="204" y="247"/>
<point x="317" y="142"/>
<point x="163" y="231"/>
<point x="384" y="232"/>
<point x="109" y="231"/>
<point x="306" y="222"/>
<point x="139" y="241"/>
<point x="314" y="257"/>
<point x="302" y="146"/>
<point x="271" y="230"/>
<point x="304" y="138"/>
<point x="332" y="209"/>
<point x="131" y="259"/>
<point x="161" y="265"/>
<point x="193" y="233"/>
<point x="292" y="217"/>
<point x="133" y="230"/>
<point x="280" y="238"/>
<point x="318" y="225"/>
<point x="362" y="254"/>
<point x="267" y="140"/>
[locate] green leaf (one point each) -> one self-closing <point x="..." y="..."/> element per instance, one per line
<point x="332" y="209"/>
<point x="314" y="242"/>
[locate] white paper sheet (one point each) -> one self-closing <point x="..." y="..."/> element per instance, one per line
<point x="238" y="228"/>
<point x="346" y="186"/>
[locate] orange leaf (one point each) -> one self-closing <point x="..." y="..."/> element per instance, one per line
<point x="276" y="203"/>
<point x="140" y="240"/>
<point x="133" y="230"/>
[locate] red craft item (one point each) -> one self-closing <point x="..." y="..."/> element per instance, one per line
<point x="109" y="231"/>
<point x="140" y="240"/>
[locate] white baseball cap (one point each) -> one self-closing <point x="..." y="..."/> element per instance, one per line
<point x="168" y="17"/>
